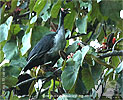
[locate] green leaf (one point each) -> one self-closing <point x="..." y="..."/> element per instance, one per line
<point x="106" y="7"/>
<point x="95" y="13"/>
<point x="15" y="28"/>
<point x="31" y="89"/>
<point x="33" y="20"/>
<point x="70" y="72"/>
<point x="45" y="16"/>
<point x="72" y="48"/>
<point x="31" y="5"/>
<point x="20" y="62"/>
<point x="2" y="11"/>
<point x="1" y="56"/>
<point x="10" y="50"/>
<point x="10" y="81"/>
<point x="78" y="57"/>
<point x="84" y="50"/>
<point x="4" y="29"/>
<point x="69" y="20"/>
<point x="119" y="68"/>
<point x="47" y="6"/>
<point x="82" y="24"/>
<point x="38" y="32"/>
<point x="87" y="78"/>
<point x="55" y="9"/>
<point x="69" y="76"/>
<point x="13" y="5"/>
<point x="115" y="61"/>
<point x="26" y="42"/>
<point x="39" y="5"/>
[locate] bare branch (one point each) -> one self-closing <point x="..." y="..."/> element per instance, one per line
<point x="113" y="53"/>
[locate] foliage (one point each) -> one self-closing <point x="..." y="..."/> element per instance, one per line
<point x="24" y="22"/>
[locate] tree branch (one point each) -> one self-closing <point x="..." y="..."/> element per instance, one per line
<point x="104" y="51"/>
<point x="76" y="36"/>
<point x="113" y="53"/>
<point x="116" y="43"/>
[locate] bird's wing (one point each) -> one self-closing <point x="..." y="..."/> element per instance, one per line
<point x="43" y="46"/>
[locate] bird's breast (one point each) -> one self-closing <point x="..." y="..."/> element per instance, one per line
<point x="59" y="44"/>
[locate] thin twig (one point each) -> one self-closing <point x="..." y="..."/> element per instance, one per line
<point x="78" y="35"/>
<point x="113" y="53"/>
<point x="116" y="43"/>
<point x="104" y="51"/>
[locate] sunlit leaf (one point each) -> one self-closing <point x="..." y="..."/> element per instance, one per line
<point x="39" y="5"/>
<point x="15" y="28"/>
<point x="119" y="68"/>
<point x="33" y="20"/>
<point x="55" y="9"/>
<point x="31" y="5"/>
<point x="13" y="5"/>
<point x="4" y="28"/>
<point x="26" y="42"/>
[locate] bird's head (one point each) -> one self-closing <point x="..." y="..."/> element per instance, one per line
<point x="64" y="12"/>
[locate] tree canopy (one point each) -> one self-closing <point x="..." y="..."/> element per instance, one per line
<point x="89" y="67"/>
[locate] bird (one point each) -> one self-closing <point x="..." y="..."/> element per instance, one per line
<point x="47" y="49"/>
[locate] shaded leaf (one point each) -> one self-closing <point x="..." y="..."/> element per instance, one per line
<point x="81" y="24"/>
<point x="69" y="76"/>
<point x="87" y="78"/>
<point x="10" y="50"/>
<point x="70" y="72"/>
<point x="20" y="62"/>
<point x="1" y="56"/>
<point x="72" y="48"/>
<point x="38" y="32"/>
<point x="69" y="20"/>
<point x="106" y="7"/>
<point x="12" y="71"/>
<point x="10" y="81"/>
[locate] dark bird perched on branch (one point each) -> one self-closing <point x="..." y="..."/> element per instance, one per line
<point x="47" y="49"/>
